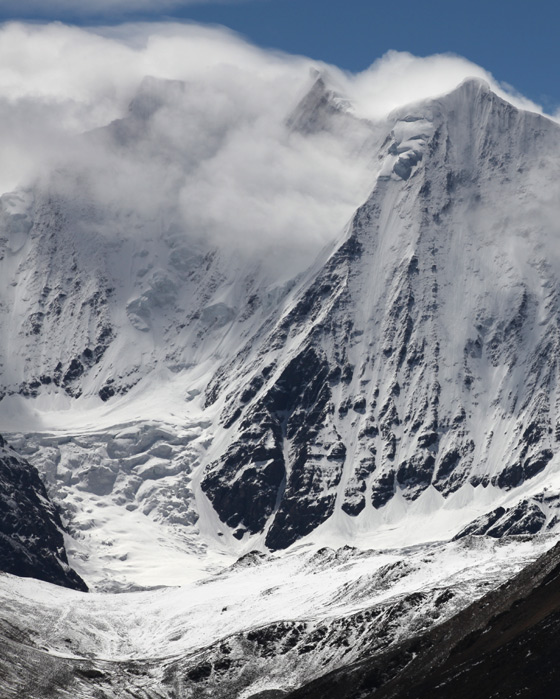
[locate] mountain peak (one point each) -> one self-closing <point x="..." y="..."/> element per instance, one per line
<point x="469" y="95"/>
<point x="465" y="96"/>
<point x="320" y="106"/>
<point x="474" y="85"/>
<point x="152" y="94"/>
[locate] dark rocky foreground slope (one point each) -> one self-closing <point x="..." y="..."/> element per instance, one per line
<point x="505" y="645"/>
<point x="31" y="540"/>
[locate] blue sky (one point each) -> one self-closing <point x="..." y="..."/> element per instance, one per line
<point x="516" y="40"/>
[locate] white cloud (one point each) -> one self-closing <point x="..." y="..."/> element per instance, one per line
<point x="215" y="156"/>
<point x="399" y="77"/>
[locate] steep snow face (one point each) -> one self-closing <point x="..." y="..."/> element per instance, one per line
<point x="402" y="389"/>
<point x="415" y="371"/>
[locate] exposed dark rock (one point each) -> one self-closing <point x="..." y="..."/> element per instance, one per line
<point x="360" y="405"/>
<point x="74" y="371"/>
<point x="337" y="452"/>
<point x="250" y="392"/>
<point x="31" y="541"/>
<point x="482" y="524"/>
<point x="354" y="494"/>
<point x="383" y="489"/>
<point x="200" y="672"/>
<point x="248" y="483"/>
<point x="354" y="502"/>
<point x="453" y="467"/>
<point x="525" y="518"/>
<point x="427" y="439"/>
<point x="249" y="495"/>
<point x="415" y="475"/>
<point x="107" y="391"/>
<point x="515" y="474"/>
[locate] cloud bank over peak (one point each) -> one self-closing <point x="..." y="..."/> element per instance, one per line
<point x="190" y="123"/>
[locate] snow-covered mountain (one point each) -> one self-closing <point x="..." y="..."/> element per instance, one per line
<point x="189" y="402"/>
<point x="416" y="365"/>
<point x="410" y="368"/>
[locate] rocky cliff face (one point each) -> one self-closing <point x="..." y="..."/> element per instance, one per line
<point x="421" y="355"/>
<point x="31" y="540"/>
